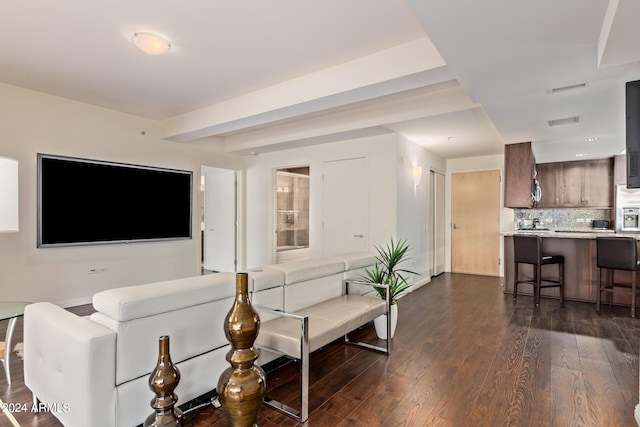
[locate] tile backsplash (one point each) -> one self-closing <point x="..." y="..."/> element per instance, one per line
<point x="561" y="219"/>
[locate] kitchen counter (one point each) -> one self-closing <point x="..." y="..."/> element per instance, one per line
<point x="580" y="265"/>
<point x="571" y="234"/>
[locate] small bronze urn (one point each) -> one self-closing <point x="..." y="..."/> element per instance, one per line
<point x="242" y="386"/>
<point x="162" y="381"/>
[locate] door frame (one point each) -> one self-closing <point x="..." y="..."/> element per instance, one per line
<point x="274" y="212"/>
<point x="435" y="221"/>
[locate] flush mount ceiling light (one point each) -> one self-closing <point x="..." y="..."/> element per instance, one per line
<point x="150" y="44"/>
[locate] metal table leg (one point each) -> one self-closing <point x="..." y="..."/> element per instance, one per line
<point x="7" y="348"/>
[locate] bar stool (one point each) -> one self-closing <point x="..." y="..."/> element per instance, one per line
<point x="617" y="253"/>
<point x="527" y="250"/>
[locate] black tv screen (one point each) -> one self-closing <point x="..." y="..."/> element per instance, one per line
<point x="83" y="201"/>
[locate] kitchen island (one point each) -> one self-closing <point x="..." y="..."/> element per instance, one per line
<point x="580" y="264"/>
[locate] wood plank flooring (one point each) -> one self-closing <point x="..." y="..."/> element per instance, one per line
<point x="464" y="355"/>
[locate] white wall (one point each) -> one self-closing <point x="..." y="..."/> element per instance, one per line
<point x="260" y="200"/>
<point x="32" y="122"/>
<point x="414" y="204"/>
<point x="396" y="207"/>
<point x="475" y="164"/>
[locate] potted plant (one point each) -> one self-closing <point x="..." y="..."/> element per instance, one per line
<point x="387" y="271"/>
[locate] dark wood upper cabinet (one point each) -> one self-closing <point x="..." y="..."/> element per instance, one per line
<point x="518" y="175"/>
<point x="598" y="183"/>
<point x="572" y="175"/>
<point x="547" y="176"/>
<point x="587" y="183"/>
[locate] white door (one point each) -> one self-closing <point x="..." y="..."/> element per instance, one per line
<point x="219" y="219"/>
<point x="437" y="223"/>
<point x="345" y="206"/>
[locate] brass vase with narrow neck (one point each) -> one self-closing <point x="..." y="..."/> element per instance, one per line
<point x="242" y="386"/>
<point x="163" y="381"/>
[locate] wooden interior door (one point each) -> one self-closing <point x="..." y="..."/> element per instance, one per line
<point x="475" y="223"/>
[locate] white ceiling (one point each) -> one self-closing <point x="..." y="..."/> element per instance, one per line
<point x="460" y="77"/>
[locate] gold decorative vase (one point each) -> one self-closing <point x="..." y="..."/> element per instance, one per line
<point x="162" y="381"/>
<point x="242" y="386"/>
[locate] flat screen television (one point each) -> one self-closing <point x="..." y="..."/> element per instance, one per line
<point x="83" y="202"/>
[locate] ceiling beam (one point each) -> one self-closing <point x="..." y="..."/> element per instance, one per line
<point x="405" y="67"/>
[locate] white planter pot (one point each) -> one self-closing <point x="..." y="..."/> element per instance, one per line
<point x="380" y="323"/>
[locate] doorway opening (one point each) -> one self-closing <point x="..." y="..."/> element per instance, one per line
<point x="218" y="219"/>
<point x="437" y="224"/>
<point x="292" y="214"/>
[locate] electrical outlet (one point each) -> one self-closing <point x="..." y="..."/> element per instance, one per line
<point x="580" y="220"/>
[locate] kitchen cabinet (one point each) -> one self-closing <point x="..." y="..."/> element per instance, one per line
<point x="587" y="183"/>
<point x="598" y="183"/>
<point x="546" y="176"/>
<point x="561" y="184"/>
<point x="518" y="175"/>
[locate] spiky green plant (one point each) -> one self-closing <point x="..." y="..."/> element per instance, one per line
<point x="387" y="269"/>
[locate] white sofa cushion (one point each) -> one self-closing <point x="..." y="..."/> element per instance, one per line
<point x="328" y="321"/>
<point x="139" y="301"/>
<point x="356" y="260"/>
<point x="193" y="331"/>
<point x="198" y="376"/>
<point x="265" y="278"/>
<point x="75" y="362"/>
<point x="310" y="292"/>
<point x="299" y="271"/>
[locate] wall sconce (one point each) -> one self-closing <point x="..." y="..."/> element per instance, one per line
<point x="8" y="195"/>
<point x="417" y="175"/>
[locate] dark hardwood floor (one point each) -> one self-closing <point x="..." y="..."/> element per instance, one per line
<point x="464" y="355"/>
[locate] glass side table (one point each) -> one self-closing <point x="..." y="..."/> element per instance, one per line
<point x="10" y="310"/>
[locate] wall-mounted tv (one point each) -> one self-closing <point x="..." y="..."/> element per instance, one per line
<point x="82" y="202"/>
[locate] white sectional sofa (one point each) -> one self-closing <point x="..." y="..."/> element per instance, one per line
<point x="93" y="371"/>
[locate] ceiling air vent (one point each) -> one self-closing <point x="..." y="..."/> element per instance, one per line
<point x="566" y="121"/>
<point x="565" y="88"/>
